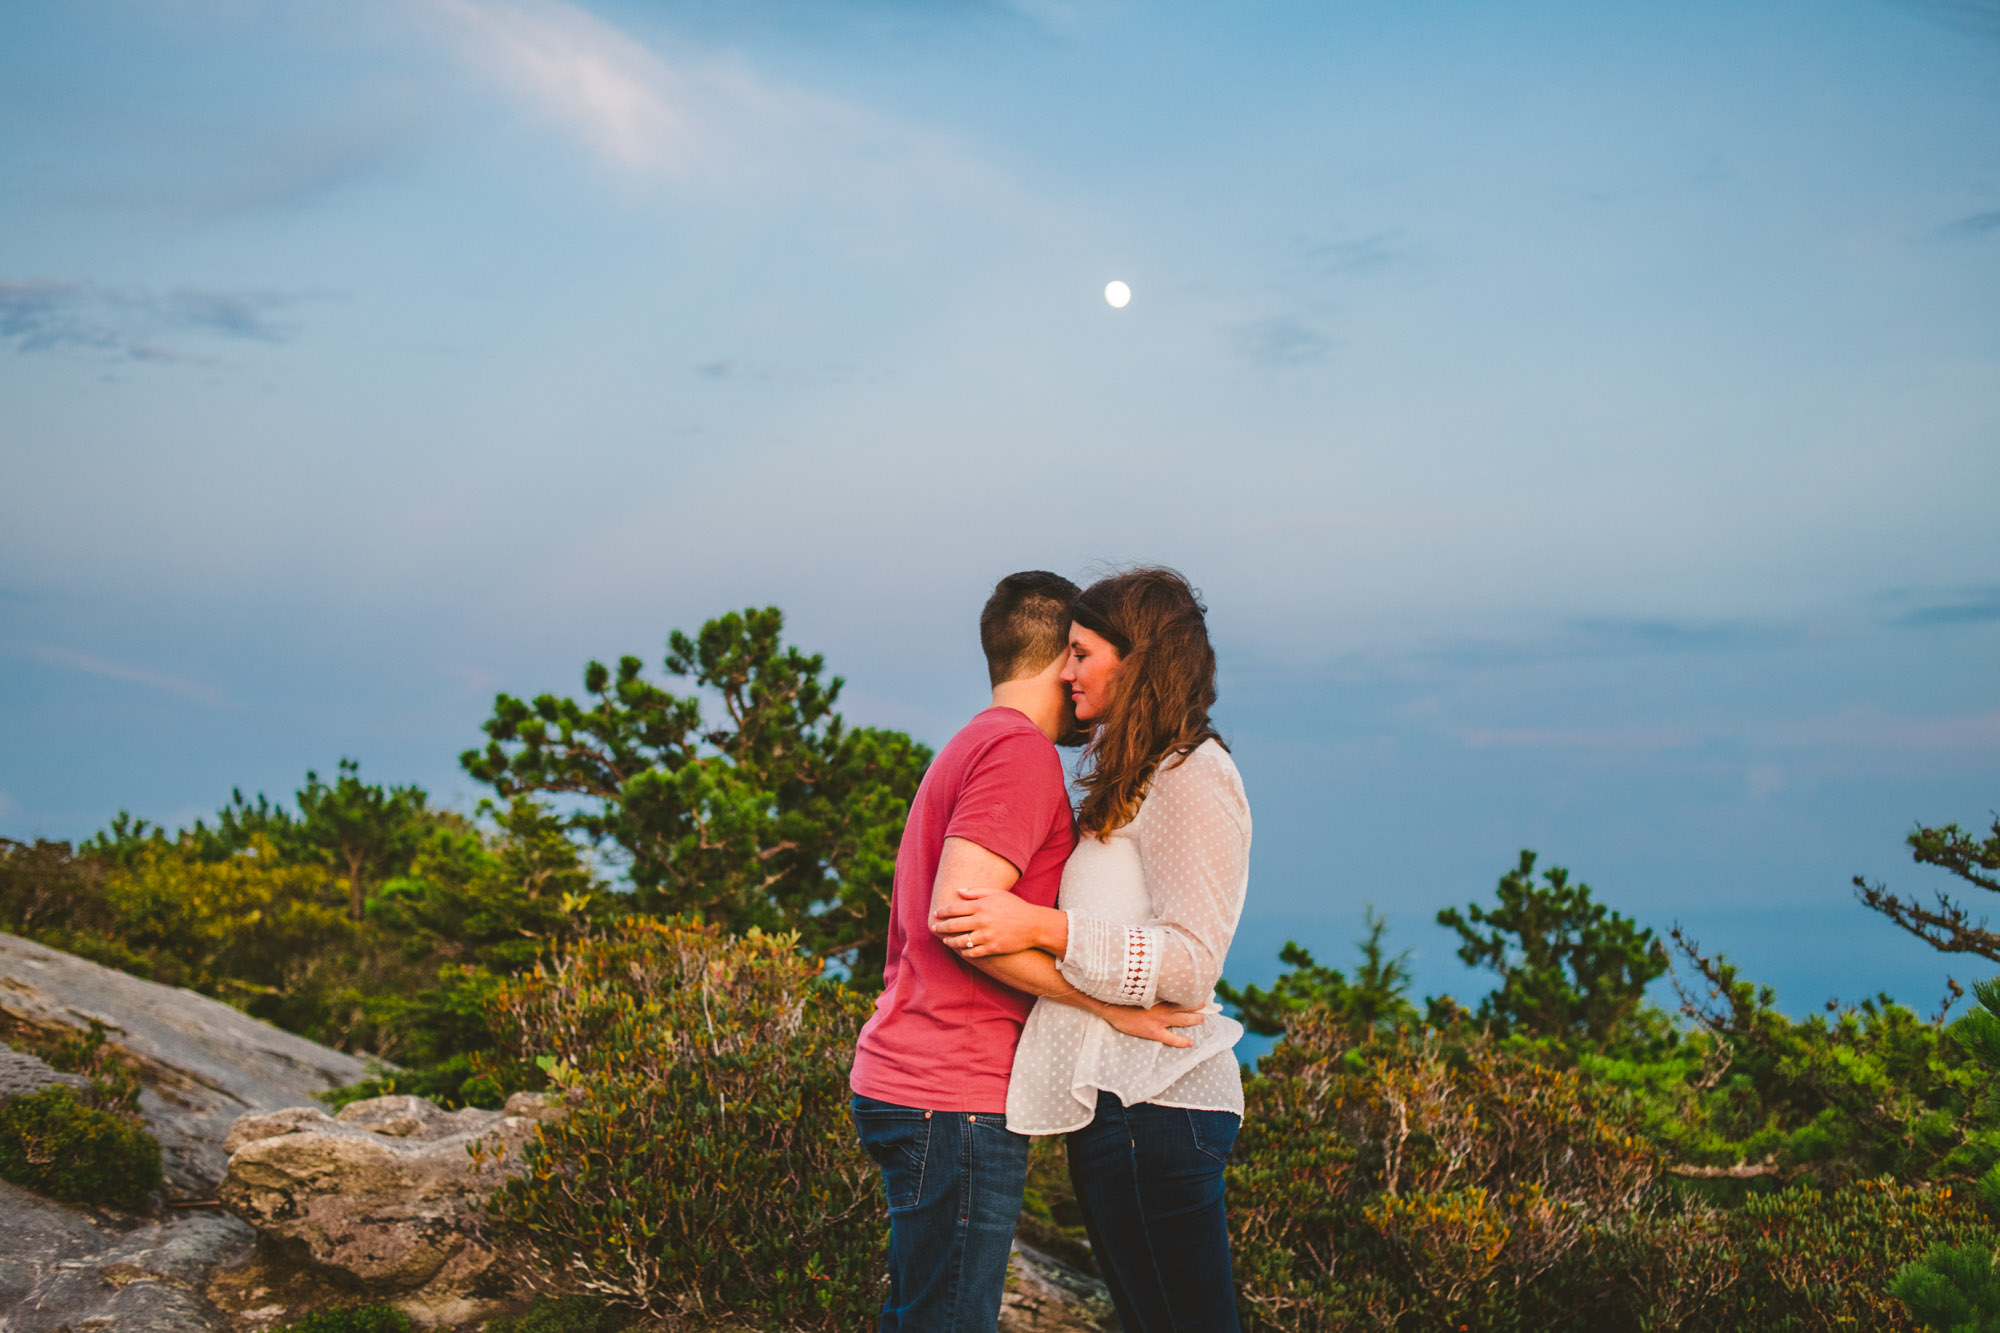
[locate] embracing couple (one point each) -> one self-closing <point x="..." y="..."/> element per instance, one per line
<point x="1053" y="972"/>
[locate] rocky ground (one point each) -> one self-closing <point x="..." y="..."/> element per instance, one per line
<point x="377" y="1203"/>
<point x="201" y="1065"/>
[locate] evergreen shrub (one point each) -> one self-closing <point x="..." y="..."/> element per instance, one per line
<point x="1954" y="1289"/>
<point x="1811" y="1260"/>
<point x="705" y="1164"/>
<point x="1428" y="1179"/>
<point x="56" y="1145"/>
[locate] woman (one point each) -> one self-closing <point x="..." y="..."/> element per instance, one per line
<point x="1149" y="901"/>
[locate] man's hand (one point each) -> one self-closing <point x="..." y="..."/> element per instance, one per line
<point x="1161" y="1023"/>
<point x="980" y="921"/>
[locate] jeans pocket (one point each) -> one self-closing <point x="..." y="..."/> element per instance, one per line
<point x="899" y="1140"/>
<point x="1215" y="1132"/>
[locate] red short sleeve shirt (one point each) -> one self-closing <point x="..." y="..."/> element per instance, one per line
<point x="943" y="1033"/>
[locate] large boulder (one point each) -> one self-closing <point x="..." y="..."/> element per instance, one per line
<point x="201" y="1066"/>
<point x="389" y="1195"/>
<point x="201" y="1063"/>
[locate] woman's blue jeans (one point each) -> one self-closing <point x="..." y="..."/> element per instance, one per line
<point x="1149" y="1181"/>
<point x="954" y="1181"/>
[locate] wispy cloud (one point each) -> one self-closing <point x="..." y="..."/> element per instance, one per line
<point x="1849" y="731"/>
<point x="618" y="96"/>
<point x="1282" y="342"/>
<point x="91" y="665"/>
<point x="1869" y="729"/>
<point x="1362" y="254"/>
<point x="1978" y="224"/>
<point x="134" y="323"/>
<point x="1980" y="16"/>
<point x="1969" y="606"/>
<point x="1619" y="636"/>
<point x="1635" y="739"/>
<point x="1614" y="634"/>
<point x="690" y="118"/>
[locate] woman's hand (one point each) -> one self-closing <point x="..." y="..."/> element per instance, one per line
<point x="980" y="922"/>
<point x="1161" y="1023"/>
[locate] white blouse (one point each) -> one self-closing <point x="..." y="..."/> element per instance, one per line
<point x="1151" y="911"/>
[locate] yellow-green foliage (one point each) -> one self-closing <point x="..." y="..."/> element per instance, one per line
<point x="1408" y="1182"/>
<point x="55" y="1145"/>
<point x="1807" y="1260"/>
<point x="224" y="920"/>
<point x="705" y="1162"/>
<point x="1426" y="1180"/>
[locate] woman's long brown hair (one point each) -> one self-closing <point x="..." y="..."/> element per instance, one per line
<point x="1160" y="697"/>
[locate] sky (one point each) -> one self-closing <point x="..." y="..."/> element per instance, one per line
<point x="1582" y="419"/>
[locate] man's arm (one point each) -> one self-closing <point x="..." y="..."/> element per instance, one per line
<point x="967" y="871"/>
<point x="978" y="921"/>
<point x="1036" y="973"/>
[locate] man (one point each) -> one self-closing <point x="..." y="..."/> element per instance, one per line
<point x="932" y="1063"/>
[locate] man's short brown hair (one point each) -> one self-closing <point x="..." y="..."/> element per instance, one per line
<point x="1025" y="625"/>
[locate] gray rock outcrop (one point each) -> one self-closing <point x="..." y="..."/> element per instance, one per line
<point x="389" y="1195"/>
<point x="22" y="1074"/>
<point x="201" y="1066"/>
<point x="201" y="1063"/>
<point x="1046" y="1295"/>
<point x="63" y="1269"/>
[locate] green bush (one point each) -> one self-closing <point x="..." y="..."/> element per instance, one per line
<point x="1812" y="1260"/>
<point x="705" y="1161"/>
<point x="1443" y="1179"/>
<point x="1428" y="1180"/>
<point x="1953" y="1289"/>
<point x="358" y="1319"/>
<point x="56" y="1145"/>
<point x="571" y="1314"/>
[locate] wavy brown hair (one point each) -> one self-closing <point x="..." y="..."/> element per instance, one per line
<point x="1160" y="697"/>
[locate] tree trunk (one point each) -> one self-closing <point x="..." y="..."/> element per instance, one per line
<point x="354" y="903"/>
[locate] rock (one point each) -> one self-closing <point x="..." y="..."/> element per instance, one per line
<point x="387" y="1195"/>
<point x="201" y="1065"/>
<point x="78" y="1276"/>
<point x="22" y="1073"/>
<point x="1045" y="1295"/>
<point x="64" y="1268"/>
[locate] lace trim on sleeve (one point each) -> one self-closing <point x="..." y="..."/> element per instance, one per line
<point x="1110" y="962"/>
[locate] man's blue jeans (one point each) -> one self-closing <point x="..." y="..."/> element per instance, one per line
<point x="1148" y="1179"/>
<point x="954" y="1181"/>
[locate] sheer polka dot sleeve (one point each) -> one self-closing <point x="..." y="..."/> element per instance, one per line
<point x="1193" y="833"/>
<point x="1194" y="847"/>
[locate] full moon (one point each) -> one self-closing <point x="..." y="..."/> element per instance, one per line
<point x="1116" y="295"/>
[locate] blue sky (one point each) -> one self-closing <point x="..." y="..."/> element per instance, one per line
<point x="1583" y="419"/>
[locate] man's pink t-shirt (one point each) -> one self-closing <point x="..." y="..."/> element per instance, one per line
<point x="943" y="1033"/>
